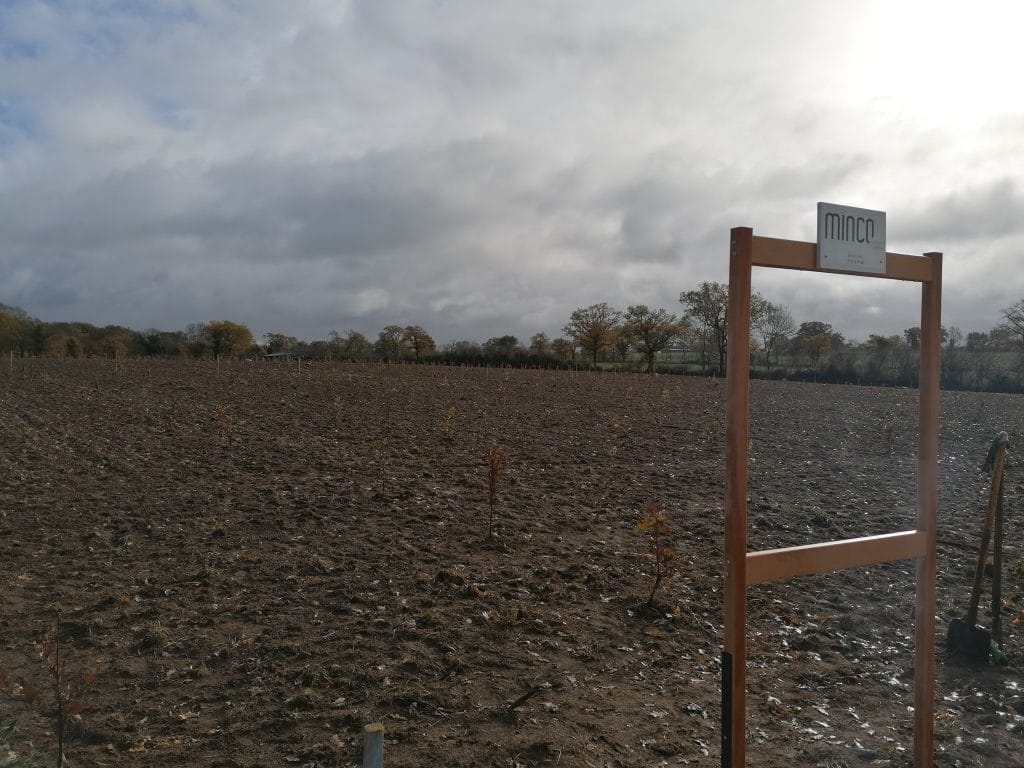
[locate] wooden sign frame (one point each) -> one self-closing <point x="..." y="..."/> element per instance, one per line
<point x="744" y="568"/>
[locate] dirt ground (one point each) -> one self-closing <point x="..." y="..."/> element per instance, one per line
<point x="252" y="561"/>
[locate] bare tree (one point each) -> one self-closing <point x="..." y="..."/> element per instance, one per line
<point x="563" y="349"/>
<point x="1014" y="317"/>
<point x="708" y="306"/>
<point x="503" y="348"/>
<point x="814" y="348"/>
<point x="279" y="342"/>
<point x="652" y="330"/>
<point x="913" y="337"/>
<point x="774" y="324"/>
<point x="226" y="337"/>
<point x="14" y="323"/>
<point x="540" y="344"/>
<point x="391" y="343"/>
<point x="622" y="341"/>
<point x="418" y="340"/>
<point x="352" y="345"/>
<point x="814" y="339"/>
<point x="593" y="328"/>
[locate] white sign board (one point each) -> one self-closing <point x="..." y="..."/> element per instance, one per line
<point x="851" y="239"/>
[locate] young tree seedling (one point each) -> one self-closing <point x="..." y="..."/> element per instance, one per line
<point x="495" y="466"/>
<point x="656" y="524"/>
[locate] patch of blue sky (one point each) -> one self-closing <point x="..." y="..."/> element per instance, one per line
<point x="113" y="25"/>
<point x="17" y="50"/>
<point x="16" y="123"/>
<point x="168" y="114"/>
<point x="169" y="13"/>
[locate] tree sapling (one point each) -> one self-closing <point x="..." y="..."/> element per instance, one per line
<point x="656" y="524"/>
<point x="495" y="466"/>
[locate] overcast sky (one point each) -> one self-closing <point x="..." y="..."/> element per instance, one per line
<point x="483" y="168"/>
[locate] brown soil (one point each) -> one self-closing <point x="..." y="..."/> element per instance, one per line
<point x="257" y="561"/>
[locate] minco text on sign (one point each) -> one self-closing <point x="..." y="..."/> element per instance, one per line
<point x="851" y="239"/>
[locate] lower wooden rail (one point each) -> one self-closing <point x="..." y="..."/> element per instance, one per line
<point x="777" y="564"/>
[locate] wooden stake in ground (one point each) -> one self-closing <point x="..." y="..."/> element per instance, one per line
<point x="997" y="573"/>
<point x="964" y="637"/>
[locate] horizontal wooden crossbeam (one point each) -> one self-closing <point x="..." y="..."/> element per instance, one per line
<point x="776" y="564"/>
<point x="792" y="254"/>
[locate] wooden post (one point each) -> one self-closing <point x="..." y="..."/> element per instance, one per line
<point x="373" y="746"/>
<point x="734" y="658"/>
<point x="988" y="525"/>
<point x="927" y="516"/>
<point x="997" y="570"/>
<point x="745" y="568"/>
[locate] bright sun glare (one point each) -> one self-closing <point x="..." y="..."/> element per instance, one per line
<point x="951" y="62"/>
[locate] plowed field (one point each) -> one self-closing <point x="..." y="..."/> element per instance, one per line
<point x="252" y="561"/>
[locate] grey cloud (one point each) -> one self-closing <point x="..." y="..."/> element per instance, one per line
<point x="816" y="176"/>
<point x="989" y="211"/>
<point x="475" y="168"/>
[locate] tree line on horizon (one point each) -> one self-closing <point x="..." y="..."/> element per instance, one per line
<point x="598" y="336"/>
